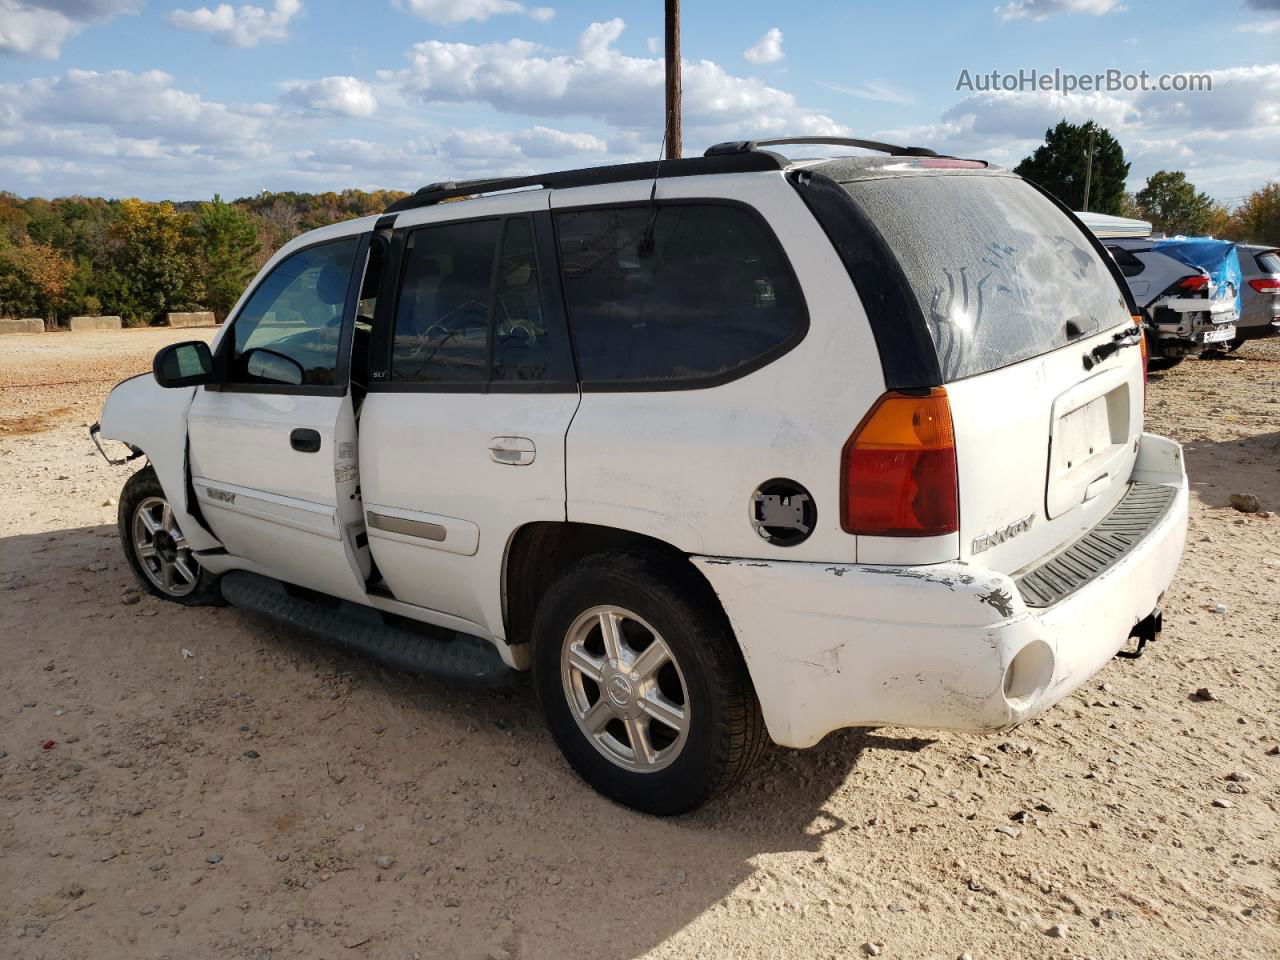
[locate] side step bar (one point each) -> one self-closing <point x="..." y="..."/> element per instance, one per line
<point x="415" y="648"/>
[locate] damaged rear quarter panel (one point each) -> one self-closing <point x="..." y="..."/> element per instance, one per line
<point x="837" y="645"/>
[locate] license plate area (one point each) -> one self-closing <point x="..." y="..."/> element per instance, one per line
<point x="1218" y="334"/>
<point x="1090" y="437"/>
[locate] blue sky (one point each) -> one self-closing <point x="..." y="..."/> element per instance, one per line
<point x="181" y="100"/>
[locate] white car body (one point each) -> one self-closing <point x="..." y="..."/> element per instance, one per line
<point x="436" y="489"/>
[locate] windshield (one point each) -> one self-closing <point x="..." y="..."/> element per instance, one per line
<point x="1000" y="273"/>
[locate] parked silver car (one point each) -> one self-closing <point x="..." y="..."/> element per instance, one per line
<point x="1260" y="301"/>
<point x="1184" y="310"/>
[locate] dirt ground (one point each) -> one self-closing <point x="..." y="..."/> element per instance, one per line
<point x="233" y="802"/>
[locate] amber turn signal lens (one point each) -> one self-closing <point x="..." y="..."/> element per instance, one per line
<point x="898" y="469"/>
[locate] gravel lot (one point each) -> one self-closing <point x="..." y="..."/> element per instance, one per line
<point x="235" y="802"/>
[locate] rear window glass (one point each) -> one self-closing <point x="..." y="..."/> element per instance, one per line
<point x="1269" y="262"/>
<point x="997" y="269"/>
<point x="677" y="292"/>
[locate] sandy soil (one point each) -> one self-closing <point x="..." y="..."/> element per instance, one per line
<point x="234" y="803"/>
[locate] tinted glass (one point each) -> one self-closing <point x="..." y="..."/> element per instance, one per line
<point x="997" y="269"/>
<point x="1269" y="262"/>
<point x="289" y="330"/>
<point x="442" y="317"/>
<point x="1129" y="265"/>
<point x="710" y="292"/>
<point x="519" y="324"/>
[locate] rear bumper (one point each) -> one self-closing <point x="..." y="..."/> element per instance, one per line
<point x="1258" y="329"/>
<point x="949" y="646"/>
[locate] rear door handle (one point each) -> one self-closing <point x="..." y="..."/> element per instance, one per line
<point x="305" y="440"/>
<point x="514" y="451"/>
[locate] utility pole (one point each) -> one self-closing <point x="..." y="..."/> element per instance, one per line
<point x="673" y="79"/>
<point x="1088" y="169"/>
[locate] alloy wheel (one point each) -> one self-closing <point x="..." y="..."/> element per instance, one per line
<point x="625" y="689"/>
<point x="162" y="550"/>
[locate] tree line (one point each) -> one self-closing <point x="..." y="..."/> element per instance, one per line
<point x="139" y="260"/>
<point x="1169" y="201"/>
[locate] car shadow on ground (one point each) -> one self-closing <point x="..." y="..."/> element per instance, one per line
<point x="503" y="848"/>
<point x="1249" y="464"/>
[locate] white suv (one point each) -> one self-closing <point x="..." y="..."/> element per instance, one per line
<point x="715" y="446"/>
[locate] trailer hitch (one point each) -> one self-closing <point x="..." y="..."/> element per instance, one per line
<point x="1145" y="630"/>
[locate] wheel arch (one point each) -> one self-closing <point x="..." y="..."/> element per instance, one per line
<point x="539" y="552"/>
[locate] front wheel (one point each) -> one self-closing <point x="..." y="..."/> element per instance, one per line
<point x="642" y="684"/>
<point x="155" y="547"/>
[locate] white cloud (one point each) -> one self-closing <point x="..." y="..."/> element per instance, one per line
<point x="654" y="44"/>
<point x="243" y="26"/>
<point x="768" y="49"/>
<point x="132" y="105"/>
<point x="447" y="12"/>
<point x="1042" y="9"/>
<point x="40" y="27"/>
<point x="1262" y="26"/>
<point x="544" y="142"/>
<point x="599" y="82"/>
<point x="343" y="96"/>
<point x="1226" y="140"/>
<point x="878" y="92"/>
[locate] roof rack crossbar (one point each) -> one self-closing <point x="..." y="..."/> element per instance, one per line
<point x="748" y="146"/>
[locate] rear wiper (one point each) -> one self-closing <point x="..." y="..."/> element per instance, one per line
<point x="1129" y="337"/>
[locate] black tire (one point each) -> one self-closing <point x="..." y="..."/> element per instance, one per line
<point x="141" y="488"/>
<point x="725" y="731"/>
<point x="1163" y="363"/>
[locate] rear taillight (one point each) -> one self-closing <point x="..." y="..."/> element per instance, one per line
<point x="898" y="469"/>
<point x="1192" y="284"/>
<point x="1265" y="285"/>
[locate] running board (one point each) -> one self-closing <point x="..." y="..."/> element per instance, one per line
<point x="417" y="648"/>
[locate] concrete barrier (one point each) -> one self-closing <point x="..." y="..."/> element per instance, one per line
<point x="81" y="324"/>
<point x="196" y="319"/>
<point x="26" y="325"/>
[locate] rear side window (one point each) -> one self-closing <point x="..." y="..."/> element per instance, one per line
<point x="997" y="269"/>
<point x="442" y="315"/>
<point x="1129" y="265"/>
<point x="677" y="293"/>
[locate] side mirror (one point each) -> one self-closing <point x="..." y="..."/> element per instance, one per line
<point x="272" y="367"/>
<point x="187" y="364"/>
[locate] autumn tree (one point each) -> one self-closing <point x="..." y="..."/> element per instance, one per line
<point x="229" y="239"/>
<point x="155" y="261"/>
<point x="1173" y="205"/>
<point x="1257" y="219"/>
<point x="33" y="279"/>
<point x="1059" y="166"/>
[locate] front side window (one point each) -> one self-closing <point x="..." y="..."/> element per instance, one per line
<point x="675" y="292"/>
<point x="290" y="329"/>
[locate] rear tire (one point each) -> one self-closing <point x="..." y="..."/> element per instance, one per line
<point x="155" y="547"/>
<point x="642" y="684"/>
<point x="1163" y="363"/>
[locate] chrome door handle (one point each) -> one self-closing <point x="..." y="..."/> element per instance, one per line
<point x="513" y="451"/>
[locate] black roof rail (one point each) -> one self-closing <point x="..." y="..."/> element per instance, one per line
<point x="743" y="161"/>
<point x="733" y="147"/>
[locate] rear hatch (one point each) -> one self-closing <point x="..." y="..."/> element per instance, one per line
<point x="1033" y="344"/>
